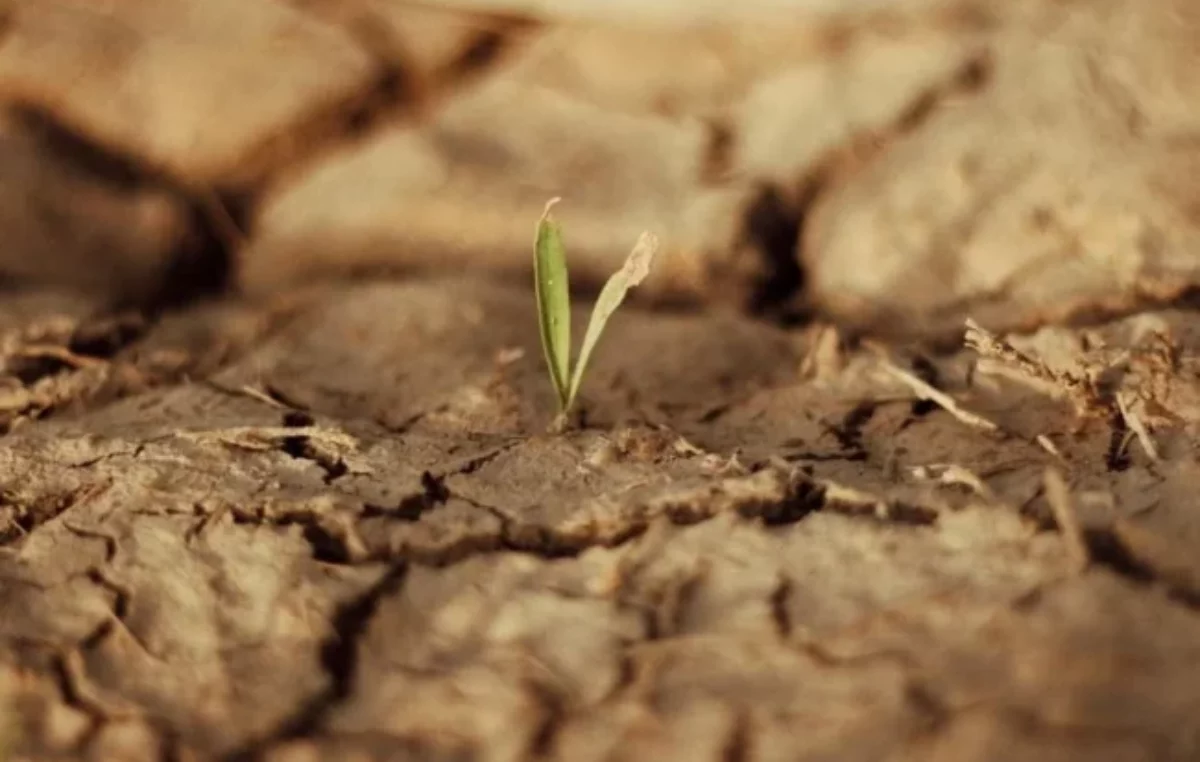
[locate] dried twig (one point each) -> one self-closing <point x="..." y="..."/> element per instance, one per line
<point x="1079" y="388"/>
<point x="1136" y="425"/>
<point x="1059" y="497"/>
<point x="1048" y="445"/>
<point x="334" y="444"/>
<point x="824" y="358"/>
<point x="943" y="400"/>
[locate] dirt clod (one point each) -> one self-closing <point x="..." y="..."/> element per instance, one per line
<point x="276" y="481"/>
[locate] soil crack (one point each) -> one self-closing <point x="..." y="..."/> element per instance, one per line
<point x="339" y="658"/>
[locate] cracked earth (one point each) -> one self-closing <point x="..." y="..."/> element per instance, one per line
<point x="891" y="458"/>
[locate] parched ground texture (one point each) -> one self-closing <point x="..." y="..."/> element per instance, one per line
<point x="892" y="458"/>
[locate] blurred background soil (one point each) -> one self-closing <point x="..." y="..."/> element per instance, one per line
<point x="891" y="458"/>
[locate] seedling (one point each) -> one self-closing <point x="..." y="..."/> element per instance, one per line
<point x="552" y="286"/>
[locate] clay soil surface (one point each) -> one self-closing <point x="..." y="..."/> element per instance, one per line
<point x="276" y="481"/>
<point x="336" y="529"/>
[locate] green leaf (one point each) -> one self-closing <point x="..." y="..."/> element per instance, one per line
<point x="633" y="272"/>
<point x="553" y="301"/>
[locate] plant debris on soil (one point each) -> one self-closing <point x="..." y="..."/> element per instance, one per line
<point x="891" y="457"/>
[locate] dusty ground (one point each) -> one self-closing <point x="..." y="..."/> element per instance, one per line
<point x="275" y="481"/>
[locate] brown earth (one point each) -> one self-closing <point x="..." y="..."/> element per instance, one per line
<point x="276" y="481"/>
